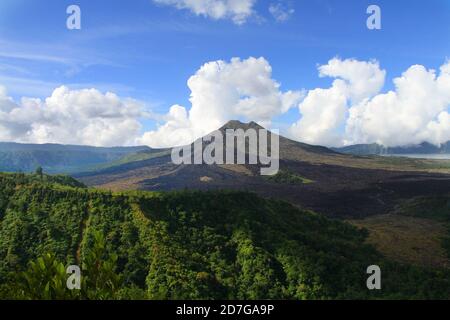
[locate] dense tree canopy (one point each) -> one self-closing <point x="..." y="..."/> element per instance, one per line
<point x="187" y="245"/>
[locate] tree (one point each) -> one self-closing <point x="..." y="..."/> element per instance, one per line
<point x="100" y="279"/>
<point x="46" y="278"/>
<point x="40" y="171"/>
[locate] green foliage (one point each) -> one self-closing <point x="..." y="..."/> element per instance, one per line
<point x="284" y="176"/>
<point x="100" y="280"/>
<point x="39" y="172"/>
<point x="186" y="245"/>
<point x="46" y="278"/>
<point x="431" y="207"/>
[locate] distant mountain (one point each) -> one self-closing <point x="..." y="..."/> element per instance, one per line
<point x="376" y="149"/>
<point x="55" y="158"/>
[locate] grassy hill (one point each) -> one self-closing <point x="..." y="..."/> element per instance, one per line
<point x="211" y="245"/>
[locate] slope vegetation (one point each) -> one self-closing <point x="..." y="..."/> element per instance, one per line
<point x="216" y="244"/>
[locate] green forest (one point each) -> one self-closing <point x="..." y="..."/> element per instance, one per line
<point x="185" y="245"/>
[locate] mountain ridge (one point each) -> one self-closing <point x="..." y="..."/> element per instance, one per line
<point x="377" y="149"/>
<point x="59" y="158"/>
<point x="85" y="160"/>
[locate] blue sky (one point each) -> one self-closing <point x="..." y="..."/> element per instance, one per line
<point x="148" y="51"/>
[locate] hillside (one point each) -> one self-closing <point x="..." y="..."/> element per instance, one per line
<point x="54" y="158"/>
<point x="417" y="231"/>
<point x="222" y="245"/>
<point x="82" y="160"/>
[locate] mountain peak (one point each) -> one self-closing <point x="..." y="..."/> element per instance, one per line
<point x="236" y="124"/>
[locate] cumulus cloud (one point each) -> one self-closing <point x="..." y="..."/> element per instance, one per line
<point x="360" y="79"/>
<point x="71" y="117"/>
<point x="324" y="111"/>
<point x="281" y="12"/>
<point x="353" y="110"/>
<point x="222" y="91"/>
<point x="416" y="111"/>
<point x="236" y="10"/>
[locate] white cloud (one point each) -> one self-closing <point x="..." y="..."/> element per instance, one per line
<point x="324" y="111"/>
<point x="222" y="91"/>
<point x="236" y="10"/>
<point x="71" y="117"/>
<point x="281" y="12"/>
<point x="416" y="111"/>
<point x="354" y="111"/>
<point x="361" y="79"/>
<point x="6" y="102"/>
